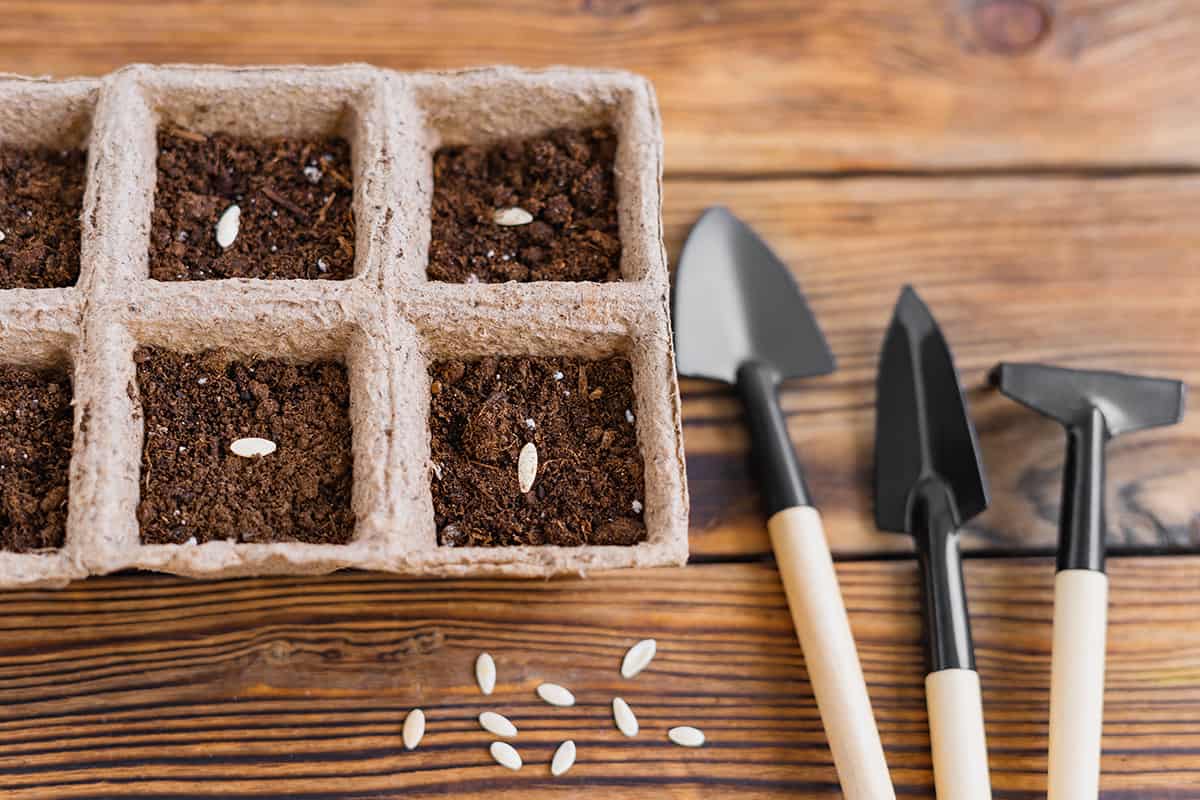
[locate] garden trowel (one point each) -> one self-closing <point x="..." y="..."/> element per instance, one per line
<point x="929" y="482"/>
<point x="740" y="318"/>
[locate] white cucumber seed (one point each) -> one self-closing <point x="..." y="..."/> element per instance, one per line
<point x="512" y="216"/>
<point x="638" y="657"/>
<point x="227" y="226"/>
<point x="623" y="715"/>
<point x="414" y="729"/>
<point x="497" y="724"/>
<point x="555" y="695"/>
<point x="527" y="464"/>
<point x="564" y="758"/>
<point x="485" y="670"/>
<point x="252" y="446"/>
<point x="686" y="736"/>
<point x="506" y="755"/>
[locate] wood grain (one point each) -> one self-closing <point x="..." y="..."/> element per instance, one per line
<point x="1091" y="273"/>
<point x="155" y="687"/>
<point x="747" y="86"/>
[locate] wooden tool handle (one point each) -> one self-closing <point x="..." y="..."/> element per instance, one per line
<point x="1077" y="683"/>
<point x="960" y="765"/>
<point x="829" y="653"/>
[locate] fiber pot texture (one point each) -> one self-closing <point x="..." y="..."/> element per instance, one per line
<point x="386" y="323"/>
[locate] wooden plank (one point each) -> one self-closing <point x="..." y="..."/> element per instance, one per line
<point x="746" y="85"/>
<point x="155" y="687"/>
<point x="1091" y="273"/>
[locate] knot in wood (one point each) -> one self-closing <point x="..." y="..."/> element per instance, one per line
<point x="1010" y="27"/>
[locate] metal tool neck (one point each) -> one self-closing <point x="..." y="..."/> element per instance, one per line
<point x="780" y="476"/>
<point x="934" y="522"/>
<point x="1081" y="522"/>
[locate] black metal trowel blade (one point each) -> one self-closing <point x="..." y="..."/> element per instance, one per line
<point x="922" y="430"/>
<point x="735" y="302"/>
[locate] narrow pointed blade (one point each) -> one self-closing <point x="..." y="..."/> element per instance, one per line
<point x="922" y="429"/>
<point x="734" y="301"/>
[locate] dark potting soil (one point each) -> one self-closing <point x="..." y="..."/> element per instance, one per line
<point x="564" y="179"/>
<point x="41" y="200"/>
<point x="196" y="405"/>
<point x="578" y="413"/>
<point x="35" y="456"/>
<point x="295" y="197"/>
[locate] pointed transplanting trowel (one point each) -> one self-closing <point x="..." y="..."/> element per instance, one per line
<point x="1094" y="407"/>
<point x="929" y="482"/>
<point x="741" y="319"/>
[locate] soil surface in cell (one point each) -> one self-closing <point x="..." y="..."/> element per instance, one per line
<point x="294" y="196"/>
<point x="35" y="456"/>
<point x="194" y="487"/>
<point x="588" y="488"/>
<point x="41" y="200"/>
<point x="564" y="180"/>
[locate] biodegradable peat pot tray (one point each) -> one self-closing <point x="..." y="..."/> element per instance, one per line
<point x="428" y="270"/>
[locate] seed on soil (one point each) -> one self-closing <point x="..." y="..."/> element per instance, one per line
<point x="414" y="728"/>
<point x="555" y="695"/>
<point x="564" y="758"/>
<point x="312" y="174"/>
<point x="485" y="671"/>
<point x="512" y="216"/>
<point x="638" y="657"/>
<point x="497" y="724"/>
<point x="623" y="715"/>
<point x="686" y="736"/>
<point x="227" y="226"/>
<point x="506" y="755"/>
<point x="2" y="236"/>
<point x="252" y="446"/>
<point x="527" y="464"/>
<point x="636" y="505"/>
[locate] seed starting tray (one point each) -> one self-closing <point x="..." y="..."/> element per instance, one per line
<point x="387" y="323"/>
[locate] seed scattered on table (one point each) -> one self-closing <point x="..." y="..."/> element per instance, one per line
<point x="527" y="465"/>
<point x="414" y="729"/>
<point x="564" y="758"/>
<point x="497" y="724"/>
<point x="512" y="216"/>
<point x="485" y="666"/>
<point x="686" y="736"/>
<point x="252" y="446"/>
<point x="555" y="695"/>
<point x="227" y="226"/>
<point x="623" y="715"/>
<point x="638" y="656"/>
<point x="506" y="755"/>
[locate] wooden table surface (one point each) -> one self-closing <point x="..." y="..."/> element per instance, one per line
<point x="1030" y="166"/>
